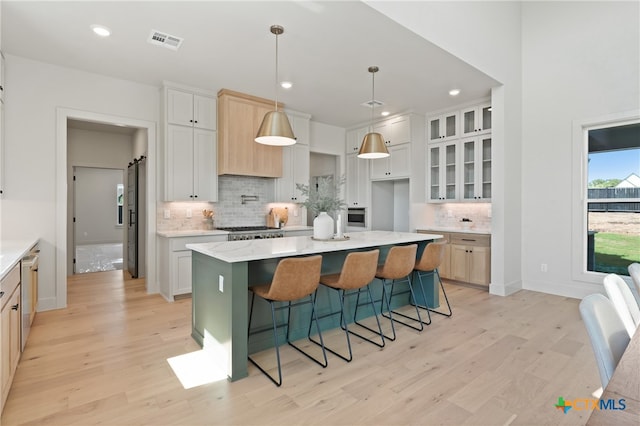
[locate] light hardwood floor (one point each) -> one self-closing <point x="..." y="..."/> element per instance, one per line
<point x="497" y="361"/>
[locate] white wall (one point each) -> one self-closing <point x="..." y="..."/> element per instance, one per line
<point x="583" y="63"/>
<point x="34" y="93"/>
<point x="96" y="208"/>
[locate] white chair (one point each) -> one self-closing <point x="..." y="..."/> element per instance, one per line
<point x="607" y="333"/>
<point x="625" y="304"/>
<point x="634" y="273"/>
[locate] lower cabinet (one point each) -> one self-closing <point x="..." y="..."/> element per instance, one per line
<point x="175" y="264"/>
<point x="10" y="343"/>
<point x="467" y="257"/>
<point x="471" y="258"/>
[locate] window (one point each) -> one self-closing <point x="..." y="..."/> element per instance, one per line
<point x="608" y="197"/>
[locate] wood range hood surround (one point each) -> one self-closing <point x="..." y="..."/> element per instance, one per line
<point x="239" y="117"/>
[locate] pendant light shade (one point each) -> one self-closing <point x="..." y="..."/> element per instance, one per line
<point x="275" y="128"/>
<point x="373" y="145"/>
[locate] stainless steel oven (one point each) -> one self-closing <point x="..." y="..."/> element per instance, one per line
<point x="357" y="217"/>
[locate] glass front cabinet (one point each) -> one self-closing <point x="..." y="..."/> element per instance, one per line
<point x="476" y="168"/>
<point x="443" y="172"/>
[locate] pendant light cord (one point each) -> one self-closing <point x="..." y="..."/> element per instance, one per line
<point x="276" y="79"/>
<point x="373" y="95"/>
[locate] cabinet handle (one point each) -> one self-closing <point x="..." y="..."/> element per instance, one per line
<point x="190" y="121"/>
<point x="468" y="239"/>
<point x="195" y="196"/>
<point x="1" y="294"/>
<point x="15" y="307"/>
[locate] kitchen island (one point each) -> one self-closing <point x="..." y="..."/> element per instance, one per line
<point x="222" y="273"/>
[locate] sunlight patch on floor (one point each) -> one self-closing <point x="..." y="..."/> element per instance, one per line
<point x="196" y="369"/>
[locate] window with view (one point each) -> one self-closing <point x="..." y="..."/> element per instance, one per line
<point x="613" y="198"/>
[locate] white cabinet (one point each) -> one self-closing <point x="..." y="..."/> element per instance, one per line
<point x="443" y="127"/>
<point x="476" y="168"/>
<point x="476" y="120"/>
<point x="442" y="173"/>
<point x="295" y="170"/>
<point x="1" y="124"/>
<point x="1" y="77"/>
<point x="189" y="109"/>
<point x="354" y="139"/>
<point x="397" y="165"/>
<point x="175" y="264"/>
<point x="395" y="131"/>
<point x="191" y="164"/>
<point x="300" y="124"/>
<point x="358" y="185"/>
<point x="10" y="343"/>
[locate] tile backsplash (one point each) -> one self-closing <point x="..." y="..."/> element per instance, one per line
<point x="229" y="210"/>
<point x="449" y="215"/>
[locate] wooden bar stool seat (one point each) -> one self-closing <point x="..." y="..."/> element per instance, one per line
<point x="358" y="270"/>
<point x="293" y="280"/>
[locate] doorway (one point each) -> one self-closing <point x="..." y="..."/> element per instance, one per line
<point x="143" y="142"/>
<point x="97" y="219"/>
<point x="322" y="165"/>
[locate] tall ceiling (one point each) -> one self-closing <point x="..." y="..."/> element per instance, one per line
<point x="325" y="51"/>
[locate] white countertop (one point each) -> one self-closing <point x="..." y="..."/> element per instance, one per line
<point x="248" y="250"/>
<point x="11" y="252"/>
<point x="456" y="229"/>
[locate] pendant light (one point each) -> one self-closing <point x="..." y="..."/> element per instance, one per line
<point x="275" y="128"/>
<point x="373" y="145"/>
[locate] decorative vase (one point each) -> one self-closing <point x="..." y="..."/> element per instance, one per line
<point x="323" y="227"/>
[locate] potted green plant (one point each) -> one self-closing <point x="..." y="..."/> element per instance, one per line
<point x="322" y="200"/>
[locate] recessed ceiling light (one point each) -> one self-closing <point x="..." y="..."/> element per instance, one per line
<point x="454" y="92"/>
<point x="385" y="113"/>
<point x="286" y="85"/>
<point x="102" y="31"/>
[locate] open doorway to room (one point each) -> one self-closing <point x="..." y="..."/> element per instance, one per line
<point x="98" y="219"/>
<point x="322" y="165"/>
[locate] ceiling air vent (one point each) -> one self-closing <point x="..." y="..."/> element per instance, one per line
<point x="372" y="104"/>
<point x="165" y="40"/>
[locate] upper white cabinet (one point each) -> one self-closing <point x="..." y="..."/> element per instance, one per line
<point x="190" y="142"/>
<point x="443" y="127"/>
<point x="1" y="125"/>
<point x="300" y="123"/>
<point x="1" y="77"/>
<point x="357" y="181"/>
<point x="295" y="170"/>
<point x="191" y="164"/>
<point x="354" y="139"/>
<point x="395" y="131"/>
<point x="442" y="174"/>
<point x="459" y="160"/>
<point x="397" y="165"/>
<point x="476" y="168"/>
<point x="476" y="120"/>
<point x="190" y="109"/>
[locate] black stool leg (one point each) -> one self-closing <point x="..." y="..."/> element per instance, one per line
<point x="435" y="271"/>
<point x="412" y="301"/>
<point x="275" y="340"/>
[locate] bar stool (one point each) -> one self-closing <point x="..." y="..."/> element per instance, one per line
<point x="293" y="279"/>
<point x="358" y="270"/>
<point x="428" y="264"/>
<point x="397" y="269"/>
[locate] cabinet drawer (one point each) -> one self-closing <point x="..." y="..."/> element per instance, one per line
<point x="180" y="243"/>
<point x="9" y="283"/>
<point x="479" y="240"/>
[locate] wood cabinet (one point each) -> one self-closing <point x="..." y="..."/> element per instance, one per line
<point x="358" y="185"/>
<point x="396" y="166"/>
<point x="295" y="170"/>
<point x="190" y="109"/>
<point x="471" y="258"/>
<point x="239" y="117"/>
<point x="443" y="127"/>
<point x="476" y="168"/>
<point x="175" y="264"/>
<point x="10" y="344"/>
<point x="442" y="173"/>
<point x="476" y="120"/>
<point x="191" y="164"/>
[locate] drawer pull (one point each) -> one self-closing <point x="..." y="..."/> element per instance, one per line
<point x="1" y="294"/>
<point x="468" y="239"/>
<point x="15" y="307"/>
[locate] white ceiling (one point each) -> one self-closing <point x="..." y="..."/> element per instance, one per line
<point x="325" y="51"/>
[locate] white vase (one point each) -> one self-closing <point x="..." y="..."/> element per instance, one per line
<point x="323" y="226"/>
